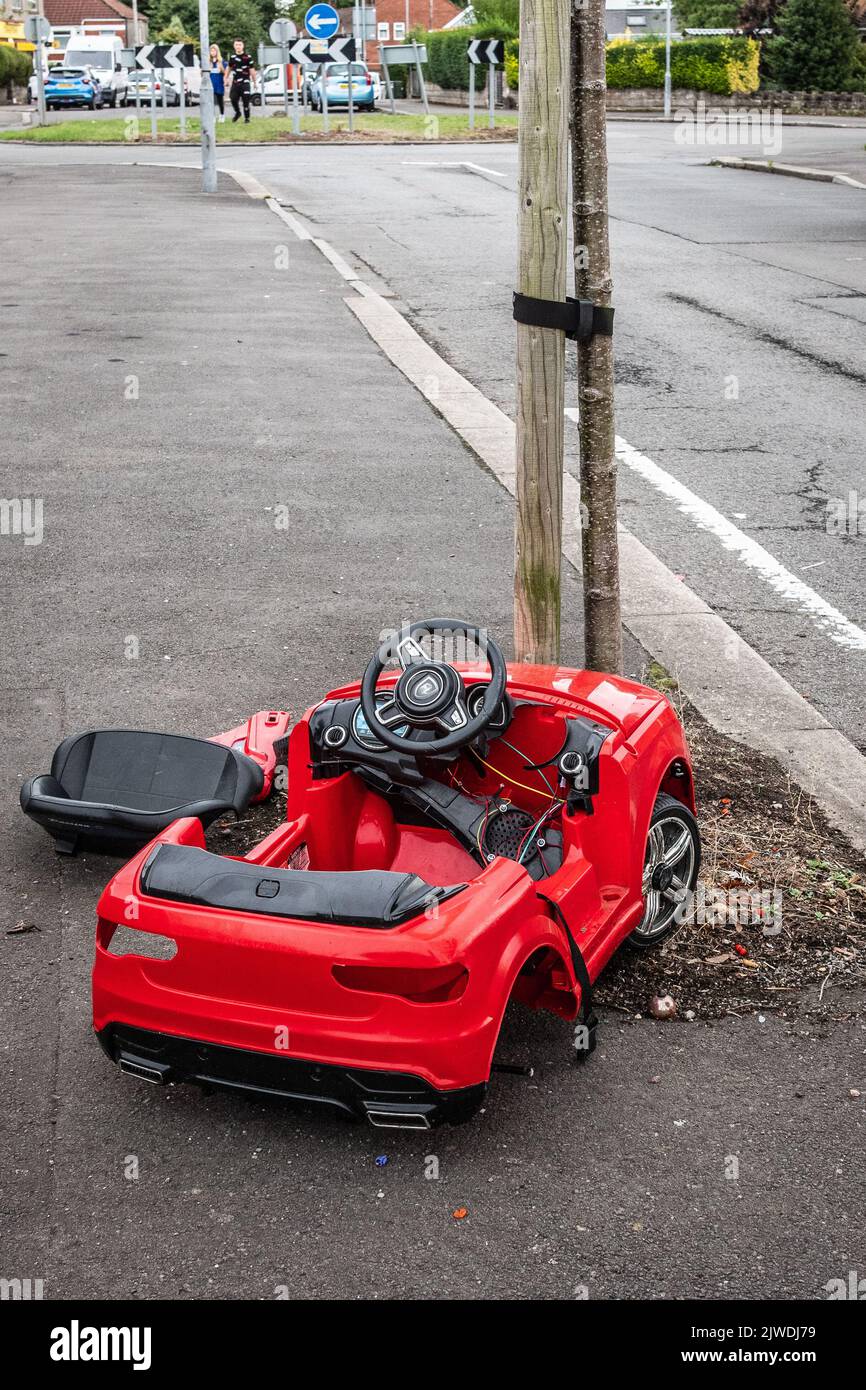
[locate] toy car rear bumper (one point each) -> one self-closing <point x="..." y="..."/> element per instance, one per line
<point x="388" y="1100"/>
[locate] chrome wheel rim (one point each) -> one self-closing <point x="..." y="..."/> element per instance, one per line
<point x="668" y="871"/>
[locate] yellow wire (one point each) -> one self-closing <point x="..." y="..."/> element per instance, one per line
<point x="535" y="791"/>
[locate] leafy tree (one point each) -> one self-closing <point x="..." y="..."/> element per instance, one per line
<point x="706" y="14"/>
<point x="503" y="16"/>
<point x="15" y="69"/>
<point x="815" y="47"/>
<point x="229" y="20"/>
<point x="759" y="14"/>
<point x="175" y="32"/>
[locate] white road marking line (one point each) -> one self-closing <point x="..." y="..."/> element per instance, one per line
<point x="482" y="169"/>
<point x="828" y="619"/>
<point x="453" y="164"/>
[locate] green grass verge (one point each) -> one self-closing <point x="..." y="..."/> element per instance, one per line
<point x="135" y="129"/>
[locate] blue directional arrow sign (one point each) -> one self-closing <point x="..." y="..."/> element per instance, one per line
<point x="321" y="21"/>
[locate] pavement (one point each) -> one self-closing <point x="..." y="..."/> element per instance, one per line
<point x="180" y="399"/>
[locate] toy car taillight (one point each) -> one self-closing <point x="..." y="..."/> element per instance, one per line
<point x="438" y="985"/>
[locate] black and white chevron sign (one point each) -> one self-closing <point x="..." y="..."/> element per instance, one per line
<point x="489" y="51"/>
<point x="158" y="56"/>
<point x="337" y="50"/>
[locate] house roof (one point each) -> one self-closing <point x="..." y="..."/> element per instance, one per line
<point x="465" y="18"/>
<point x="77" y="11"/>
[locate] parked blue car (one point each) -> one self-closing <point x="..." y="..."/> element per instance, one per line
<point x="336" y="78"/>
<point x="72" y="87"/>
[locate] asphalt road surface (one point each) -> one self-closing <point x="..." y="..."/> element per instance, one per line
<point x="256" y="386"/>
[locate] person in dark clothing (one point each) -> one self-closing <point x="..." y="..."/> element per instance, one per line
<point x="240" y="66"/>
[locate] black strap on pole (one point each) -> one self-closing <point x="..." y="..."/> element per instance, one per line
<point x="578" y="319"/>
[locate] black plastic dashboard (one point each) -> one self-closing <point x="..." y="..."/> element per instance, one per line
<point x="340" y="737"/>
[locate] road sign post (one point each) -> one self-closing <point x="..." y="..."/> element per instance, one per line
<point x="134" y="43"/>
<point x="153" y="105"/>
<point x="416" y="48"/>
<point x="403" y="53"/>
<point x="127" y="58"/>
<point x="41" y="113"/>
<point x="182" y="106"/>
<point x="322" y="21"/>
<point x="322" y="52"/>
<point x="296" y="117"/>
<point x="38" y="31"/>
<point x="281" y="32"/>
<point x="668" y="61"/>
<point x="389" y="85"/>
<point x="206" y="105"/>
<point x="491" y="53"/>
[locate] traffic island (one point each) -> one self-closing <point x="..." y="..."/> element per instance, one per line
<point x="378" y="128"/>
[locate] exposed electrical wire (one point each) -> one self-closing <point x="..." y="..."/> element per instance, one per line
<point x="528" y="839"/>
<point x="514" y="783"/>
<point x="526" y="759"/>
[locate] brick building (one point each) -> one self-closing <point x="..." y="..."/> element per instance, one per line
<point x="94" y="15"/>
<point x="395" y="19"/>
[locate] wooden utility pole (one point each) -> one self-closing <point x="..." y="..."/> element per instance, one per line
<point x="542" y="255"/>
<point x="601" y="602"/>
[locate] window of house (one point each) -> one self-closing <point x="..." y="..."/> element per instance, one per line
<point x="383" y="31"/>
<point x="399" y="31"/>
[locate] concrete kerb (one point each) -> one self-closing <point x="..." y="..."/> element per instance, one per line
<point x="794" y="171"/>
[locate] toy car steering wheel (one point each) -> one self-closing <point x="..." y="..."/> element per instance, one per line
<point x="430" y="694"/>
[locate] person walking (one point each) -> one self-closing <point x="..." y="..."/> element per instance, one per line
<point x="240" y="66"/>
<point x="218" y="79"/>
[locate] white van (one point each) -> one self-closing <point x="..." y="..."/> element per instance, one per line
<point x="191" y="81"/>
<point x="101" y="52"/>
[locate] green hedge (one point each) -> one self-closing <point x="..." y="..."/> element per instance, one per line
<point x="512" y="64"/>
<point x="447" y="64"/>
<point x="15" y="67"/>
<point x="721" y="65"/>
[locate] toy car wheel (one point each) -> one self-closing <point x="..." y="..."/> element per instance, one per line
<point x="671" y="863"/>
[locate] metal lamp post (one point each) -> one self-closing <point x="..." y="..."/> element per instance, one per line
<point x="668" y="61"/>
<point x="206" y="106"/>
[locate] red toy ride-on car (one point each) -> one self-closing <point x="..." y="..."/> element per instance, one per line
<point x="457" y="834"/>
